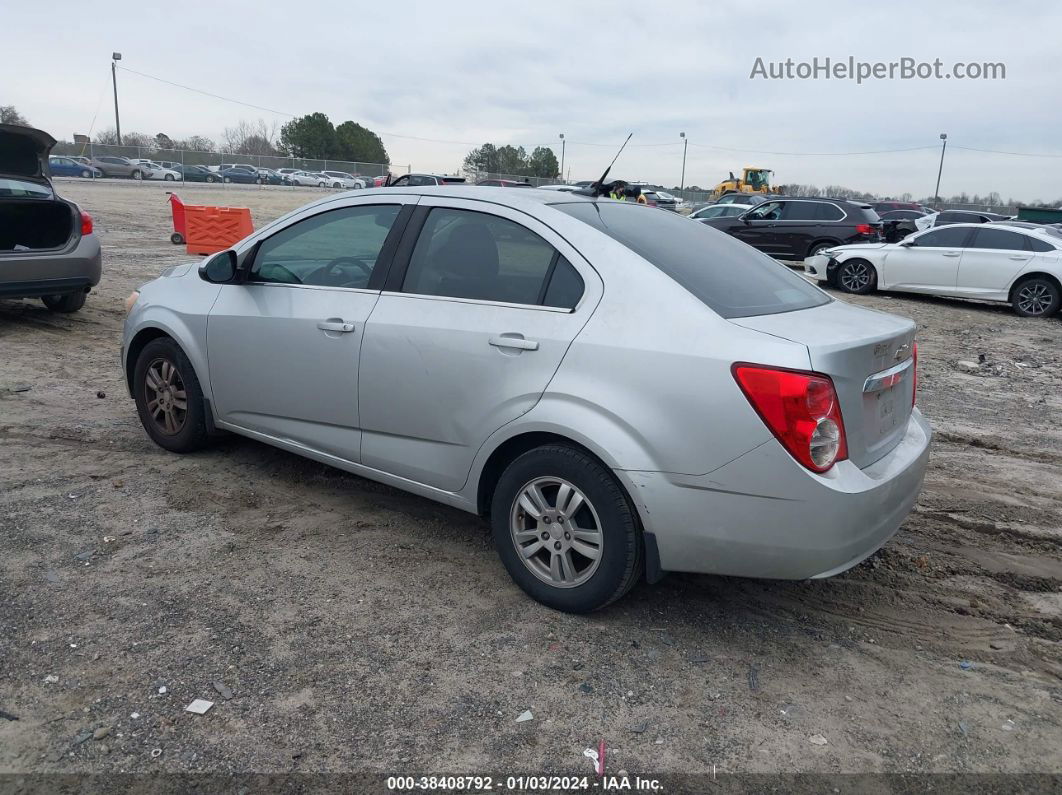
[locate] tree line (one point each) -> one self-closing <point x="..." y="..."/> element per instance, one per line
<point x="513" y="160"/>
<point x="310" y="137"/>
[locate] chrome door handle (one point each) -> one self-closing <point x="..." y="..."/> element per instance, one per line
<point x="1020" y="257"/>
<point x="336" y="325"/>
<point x="952" y="253"/>
<point x="502" y="341"/>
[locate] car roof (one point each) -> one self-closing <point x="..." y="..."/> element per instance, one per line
<point x="525" y="200"/>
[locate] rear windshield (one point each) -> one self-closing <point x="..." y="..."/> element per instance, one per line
<point x="732" y="278"/>
<point x="23" y="189"/>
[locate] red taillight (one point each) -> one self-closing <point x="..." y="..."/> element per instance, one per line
<point x="914" y="373"/>
<point x="866" y="229"/>
<point x="800" y="409"/>
<point x="86" y="223"/>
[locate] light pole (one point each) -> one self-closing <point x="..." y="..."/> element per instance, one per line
<point x="682" y="182"/>
<point x="115" y="57"/>
<point x="943" y="146"/>
<point x="562" y="156"/>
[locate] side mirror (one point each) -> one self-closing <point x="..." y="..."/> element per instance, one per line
<point x="219" y="269"/>
<point x="907" y="243"/>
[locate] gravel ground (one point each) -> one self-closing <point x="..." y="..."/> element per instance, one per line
<point x="342" y="625"/>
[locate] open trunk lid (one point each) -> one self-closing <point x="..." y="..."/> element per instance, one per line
<point x="24" y="152"/>
<point x="868" y="355"/>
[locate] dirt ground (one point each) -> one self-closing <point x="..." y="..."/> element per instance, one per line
<point x="355" y="627"/>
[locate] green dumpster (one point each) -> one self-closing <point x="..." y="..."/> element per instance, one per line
<point x="1040" y="215"/>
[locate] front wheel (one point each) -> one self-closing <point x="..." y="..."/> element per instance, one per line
<point x="168" y="397"/>
<point x="169" y="177"/>
<point x="211" y="179"/>
<point x="565" y="530"/>
<point x="71" y="302"/>
<point x="85" y="174"/>
<point x="857" y="276"/>
<point x="228" y="180"/>
<point x="1036" y="297"/>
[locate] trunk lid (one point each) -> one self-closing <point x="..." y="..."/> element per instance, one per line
<point x="868" y="354"/>
<point x="24" y="152"/>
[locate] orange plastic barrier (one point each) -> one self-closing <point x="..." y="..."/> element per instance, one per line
<point x="212" y="229"/>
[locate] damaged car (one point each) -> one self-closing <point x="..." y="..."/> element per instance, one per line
<point x="47" y="246"/>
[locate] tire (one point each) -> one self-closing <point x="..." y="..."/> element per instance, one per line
<point x="137" y="175"/>
<point x="258" y="181"/>
<point x="322" y="185"/>
<point x="211" y="179"/>
<point x="817" y="247"/>
<point x="593" y="583"/>
<point x="228" y="180"/>
<point x="67" y="303"/>
<point x="86" y="174"/>
<point x="856" y="276"/>
<point x="169" y="177"/>
<point x="1036" y="297"/>
<point x="176" y="238"/>
<point x="179" y="430"/>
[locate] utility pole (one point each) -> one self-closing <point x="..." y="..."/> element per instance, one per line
<point x="115" y="57"/>
<point x="562" y="156"/>
<point x="943" y="147"/>
<point x="685" y="141"/>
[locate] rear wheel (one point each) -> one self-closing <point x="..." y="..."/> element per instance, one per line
<point x="137" y="174"/>
<point x="818" y="248"/>
<point x="168" y="397"/>
<point x="1036" y="297"/>
<point x="211" y="179"/>
<point x="70" y="302"/>
<point x="565" y="530"/>
<point x="857" y="276"/>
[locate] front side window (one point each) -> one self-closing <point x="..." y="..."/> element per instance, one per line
<point x="768" y="211"/>
<point x="731" y="278"/>
<point x="466" y="254"/>
<point x="338" y="248"/>
<point x="947" y="237"/>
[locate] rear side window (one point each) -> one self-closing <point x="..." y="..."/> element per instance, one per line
<point x="466" y="254"/>
<point x="1001" y="239"/>
<point x="731" y="278"/>
<point x="1038" y="245"/>
<point x="948" y="237"/>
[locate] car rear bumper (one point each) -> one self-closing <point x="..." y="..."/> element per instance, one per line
<point x="763" y="515"/>
<point x="36" y="274"/>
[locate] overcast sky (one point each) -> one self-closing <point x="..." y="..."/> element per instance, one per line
<point x="469" y="72"/>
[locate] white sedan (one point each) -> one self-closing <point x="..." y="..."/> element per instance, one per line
<point x="341" y="179"/>
<point x="1016" y="263"/>
<point x="153" y="170"/>
<point x="308" y="178"/>
<point x="721" y="211"/>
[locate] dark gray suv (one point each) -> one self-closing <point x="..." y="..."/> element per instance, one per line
<point x="47" y="248"/>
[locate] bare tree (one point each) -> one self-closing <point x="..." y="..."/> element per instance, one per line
<point x="251" y="138"/>
<point x="10" y="115"/>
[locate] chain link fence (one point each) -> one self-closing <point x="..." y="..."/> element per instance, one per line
<point x="215" y="160"/>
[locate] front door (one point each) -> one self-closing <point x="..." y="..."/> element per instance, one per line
<point x="283" y="346"/>
<point x="467" y="336"/>
<point x="759" y="228"/>
<point x="930" y="264"/>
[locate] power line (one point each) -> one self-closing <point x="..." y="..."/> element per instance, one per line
<point x="812" y="154"/>
<point x="590" y="143"/>
<point x="1001" y="152"/>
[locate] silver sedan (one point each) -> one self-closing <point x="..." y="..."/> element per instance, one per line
<point x="621" y="391"/>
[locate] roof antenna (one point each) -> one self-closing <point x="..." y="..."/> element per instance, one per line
<point x="599" y="188"/>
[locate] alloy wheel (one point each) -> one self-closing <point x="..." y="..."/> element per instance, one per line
<point x="557" y="532"/>
<point x="166" y="397"/>
<point x="855" y="276"/>
<point x="1035" y="298"/>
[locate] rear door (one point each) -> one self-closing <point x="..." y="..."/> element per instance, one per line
<point x="930" y="264"/>
<point x="480" y="308"/>
<point x="991" y="261"/>
<point x="283" y="346"/>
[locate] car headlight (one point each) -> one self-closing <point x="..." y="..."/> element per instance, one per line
<point x="131" y="300"/>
